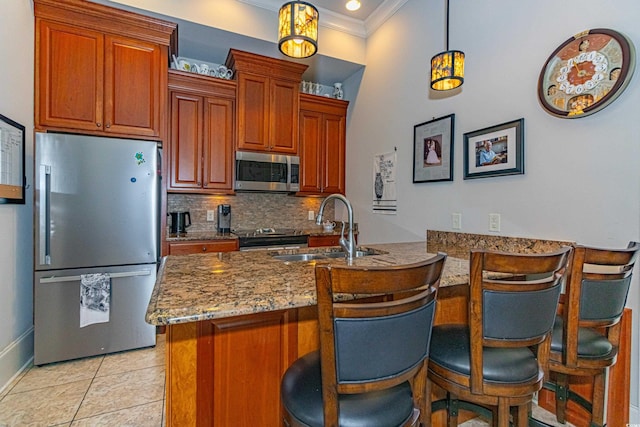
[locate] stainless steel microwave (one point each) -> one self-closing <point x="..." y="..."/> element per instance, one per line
<point x="267" y="172"/>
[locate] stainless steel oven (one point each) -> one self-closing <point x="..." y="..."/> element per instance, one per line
<point x="267" y="172"/>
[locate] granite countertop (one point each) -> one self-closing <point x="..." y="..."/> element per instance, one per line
<point x="192" y="288"/>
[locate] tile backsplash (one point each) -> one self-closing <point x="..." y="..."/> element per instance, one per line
<point x="250" y="210"/>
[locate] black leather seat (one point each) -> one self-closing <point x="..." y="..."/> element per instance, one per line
<point x="371" y="367"/>
<point x="586" y="333"/>
<point x="490" y="366"/>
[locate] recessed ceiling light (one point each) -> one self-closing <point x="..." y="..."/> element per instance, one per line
<point x="353" y="5"/>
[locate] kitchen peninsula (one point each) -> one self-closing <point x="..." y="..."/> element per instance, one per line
<point x="235" y="321"/>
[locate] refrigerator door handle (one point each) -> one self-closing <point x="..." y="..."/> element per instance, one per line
<point x="44" y="215"/>
<point x="55" y="279"/>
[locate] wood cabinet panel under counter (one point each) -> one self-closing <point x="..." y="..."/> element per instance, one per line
<point x="202" y="246"/>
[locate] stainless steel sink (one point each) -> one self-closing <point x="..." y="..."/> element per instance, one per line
<point x="324" y="255"/>
<point x="299" y="257"/>
<point x="359" y="253"/>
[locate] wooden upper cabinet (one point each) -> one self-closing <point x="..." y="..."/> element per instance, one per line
<point x="322" y="145"/>
<point x="70" y="77"/>
<point x="185" y="141"/>
<point x="202" y="129"/>
<point x="268" y="102"/>
<point x="100" y="70"/>
<point x="133" y="71"/>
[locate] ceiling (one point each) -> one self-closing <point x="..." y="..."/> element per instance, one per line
<point x="334" y="6"/>
<point x="195" y="41"/>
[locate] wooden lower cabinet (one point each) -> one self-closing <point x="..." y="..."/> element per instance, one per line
<point x="329" y="240"/>
<point x="227" y="372"/>
<point x="202" y="246"/>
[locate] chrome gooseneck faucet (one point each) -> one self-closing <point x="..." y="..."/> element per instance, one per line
<point x="349" y="244"/>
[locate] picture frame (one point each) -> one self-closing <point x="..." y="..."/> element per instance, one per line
<point x="433" y="150"/>
<point x="12" y="162"/>
<point x="505" y="155"/>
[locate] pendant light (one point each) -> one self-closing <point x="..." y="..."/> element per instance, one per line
<point x="298" y="29"/>
<point x="447" y="68"/>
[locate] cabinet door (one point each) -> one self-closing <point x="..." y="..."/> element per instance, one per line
<point x="284" y="106"/>
<point x="334" y="154"/>
<point x="132" y="81"/>
<point x="253" y="112"/>
<point x="185" y="143"/>
<point x="310" y="151"/>
<point x="218" y="144"/>
<point x="70" y="66"/>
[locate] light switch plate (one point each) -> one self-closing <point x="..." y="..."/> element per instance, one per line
<point x="456" y="221"/>
<point x="311" y="215"/>
<point x="494" y="222"/>
<point x="210" y="215"/>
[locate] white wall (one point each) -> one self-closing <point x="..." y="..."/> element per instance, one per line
<point x="582" y="176"/>
<point x="16" y="232"/>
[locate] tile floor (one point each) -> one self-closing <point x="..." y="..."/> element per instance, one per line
<point x="122" y="389"/>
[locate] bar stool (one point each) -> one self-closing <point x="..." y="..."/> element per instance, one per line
<point x="586" y="333"/>
<point x="371" y="366"/>
<point x="488" y="366"/>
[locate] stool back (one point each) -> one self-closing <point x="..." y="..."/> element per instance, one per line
<point x="381" y="338"/>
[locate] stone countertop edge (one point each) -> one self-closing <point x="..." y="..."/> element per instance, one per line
<point x="191" y="288"/>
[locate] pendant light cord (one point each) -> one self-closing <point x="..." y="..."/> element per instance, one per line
<point x="447" y="29"/>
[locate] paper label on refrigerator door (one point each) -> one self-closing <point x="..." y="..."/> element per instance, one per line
<point x="95" y="298"/>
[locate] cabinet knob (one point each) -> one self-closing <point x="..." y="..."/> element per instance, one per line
<point x="204" y="249"/>
<point x="108" y="125"/>
<point x="98" y="124"/>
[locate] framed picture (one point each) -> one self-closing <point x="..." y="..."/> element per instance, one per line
<point x="12" y="172"/>
<point x="433" y="150"/>
<point x="495" y="151"/>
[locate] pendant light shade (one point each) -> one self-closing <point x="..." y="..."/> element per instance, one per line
<point x="298" y="29"/>
<point x="447" y="68"/>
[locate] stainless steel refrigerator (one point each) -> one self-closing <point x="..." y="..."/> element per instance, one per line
<point x="96" y="233"/>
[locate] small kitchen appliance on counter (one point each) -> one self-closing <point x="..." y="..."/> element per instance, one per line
<point x="179" y="222"/>
<point x="224" y="218"/>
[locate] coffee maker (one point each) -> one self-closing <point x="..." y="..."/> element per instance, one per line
<point x="224" y="218"/>
<point x="179" y="222"/>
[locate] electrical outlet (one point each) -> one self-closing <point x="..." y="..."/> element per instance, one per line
<point x="456" y="221"/>
<point x="210" y="215"/>
<point x="494" y="222"/>
<point x="311" y="215"/>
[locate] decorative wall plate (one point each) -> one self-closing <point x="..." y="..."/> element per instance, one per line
<point x="586" y="73"/>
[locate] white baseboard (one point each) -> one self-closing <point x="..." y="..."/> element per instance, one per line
<point x="15" y="358"/>
<point x="634" y="415"/>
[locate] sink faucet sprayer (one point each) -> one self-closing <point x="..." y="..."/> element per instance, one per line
<point x="349" y="244"/>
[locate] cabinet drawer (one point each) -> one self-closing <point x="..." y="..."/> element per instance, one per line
<point x="205" y="246"/>
<point x="330" y="240"/>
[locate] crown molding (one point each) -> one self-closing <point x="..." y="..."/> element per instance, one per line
<point x="340" y="22"/>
